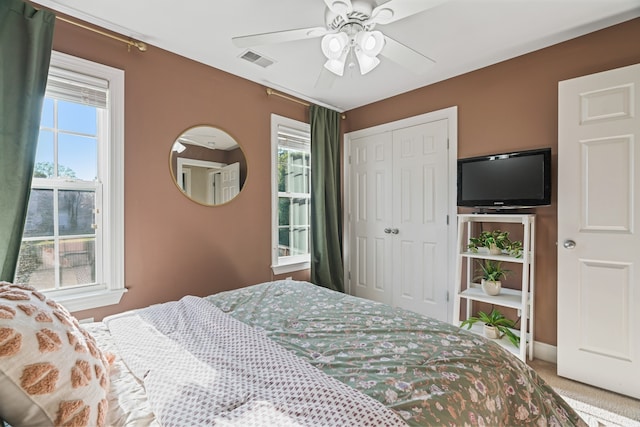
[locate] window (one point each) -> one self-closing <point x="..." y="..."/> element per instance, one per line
<point x="291" y="190"/>
<point x="73" y="240"/>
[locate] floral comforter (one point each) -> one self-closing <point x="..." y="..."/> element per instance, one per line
<point x="429" y="372"/>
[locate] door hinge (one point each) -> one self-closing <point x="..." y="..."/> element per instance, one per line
<point x="349" y="275"/>
<point x="349" y="158"/>
<point x="447" y="296"/>
<point x="447" y="219"/>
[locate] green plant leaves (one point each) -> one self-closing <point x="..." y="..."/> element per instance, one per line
<point x="492" y="271"/>
<point x="497" y="319"/>
<point x="498" y="238"/>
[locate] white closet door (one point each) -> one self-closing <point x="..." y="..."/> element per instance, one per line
<point x="420" y="197"/>
<point x="598" y="225"/>
<point x="371" y="214"/>
<point x="398" y="218"/>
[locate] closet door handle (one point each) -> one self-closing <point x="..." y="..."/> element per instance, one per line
<point x="394" y="231"/>
<point x="387" y="230"/>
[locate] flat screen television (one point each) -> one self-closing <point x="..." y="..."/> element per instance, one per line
<point x="506" y="180"/>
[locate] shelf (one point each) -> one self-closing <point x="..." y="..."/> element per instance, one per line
<point x="506" y="218"/>
<point x="504" y="258"/>
<point x="511" y="298"/>
<point x="478" y="329"/>
<point x="520" y="299"/>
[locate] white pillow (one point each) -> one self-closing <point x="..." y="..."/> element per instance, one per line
<point x="51" y="370"/>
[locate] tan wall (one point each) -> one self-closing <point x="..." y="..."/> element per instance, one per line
<point x="174" y="246"/>
<point x="513" y="106"/>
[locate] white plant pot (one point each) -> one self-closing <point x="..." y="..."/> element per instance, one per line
<point x="494" y="250"/>
<point x="491" y="332"/>
<point x="490" y="287"/>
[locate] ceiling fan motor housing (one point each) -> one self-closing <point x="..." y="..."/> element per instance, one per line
<point x="358" y="16"/>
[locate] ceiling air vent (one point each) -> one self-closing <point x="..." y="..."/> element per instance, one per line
<point x="257" y="59"/>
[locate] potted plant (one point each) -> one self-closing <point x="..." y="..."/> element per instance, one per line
<point x="496" y="325"/>
<point x="496" y="242"/>
<point x="492" y="272"/>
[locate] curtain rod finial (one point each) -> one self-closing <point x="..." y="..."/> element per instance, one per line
<point x="142" y="47"/>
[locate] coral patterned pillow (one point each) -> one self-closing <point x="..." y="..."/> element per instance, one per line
<point x="51" y="370"/>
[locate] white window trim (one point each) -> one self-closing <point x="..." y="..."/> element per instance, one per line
<point x="292" y="263"/>
<point x="112" y="217"/>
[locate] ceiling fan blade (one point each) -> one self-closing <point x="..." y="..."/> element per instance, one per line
<point x="279" y="36"/>
<point x="325" y="79"/>
<point x="405" y="56"/>
<point x="188" y="140"/>
<point x="394" y="10"/>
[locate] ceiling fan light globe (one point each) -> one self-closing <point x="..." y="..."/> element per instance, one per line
<point x="366" y="62"/>
<point x="370" y="42"/>
<point x="336" y="66"/>
<point x="333" y="45"/>
<point x="178" y="147"/>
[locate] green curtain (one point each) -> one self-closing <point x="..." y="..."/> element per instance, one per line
<point x="26" y="37"/>
<point x="326" y="208"/>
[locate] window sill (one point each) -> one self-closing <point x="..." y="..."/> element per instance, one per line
<point x="290" y="268"/>
<point x="87" y="300"/>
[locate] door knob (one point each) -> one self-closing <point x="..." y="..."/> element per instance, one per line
<point x="569" y="244"/>
<point x="394" y="231"/>
<point x="387" y="230"/>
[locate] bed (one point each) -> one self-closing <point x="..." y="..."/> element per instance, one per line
<point x="292" y="353"/>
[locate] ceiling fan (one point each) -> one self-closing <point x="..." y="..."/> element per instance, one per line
<point x="349" y="36"/>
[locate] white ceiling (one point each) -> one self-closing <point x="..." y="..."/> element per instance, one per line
<point x="459" y="35"/>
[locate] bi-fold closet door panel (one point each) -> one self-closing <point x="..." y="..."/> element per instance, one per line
<point x="399" y="196"/>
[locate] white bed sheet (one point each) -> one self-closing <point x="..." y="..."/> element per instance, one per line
<point x="128" y="405"/>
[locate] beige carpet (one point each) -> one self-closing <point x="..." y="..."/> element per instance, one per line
<point x="598" y="407"/>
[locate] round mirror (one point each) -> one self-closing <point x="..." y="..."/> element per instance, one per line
<point x="208" y="165"/>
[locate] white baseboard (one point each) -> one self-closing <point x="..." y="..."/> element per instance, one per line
<point x="546" y="352"/>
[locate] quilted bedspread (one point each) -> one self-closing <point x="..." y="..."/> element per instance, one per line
<point x="201" y="367"/>
<point x="430" y="372"/>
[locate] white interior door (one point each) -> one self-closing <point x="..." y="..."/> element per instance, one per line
<point x="598" y="240"/>
<point x="371" y="214"/>
<point x="419" y="239"/>
<point x="230" y="181"/>
<point x="398" y="209"/>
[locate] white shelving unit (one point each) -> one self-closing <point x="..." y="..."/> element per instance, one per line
<point x="519" y="299"/>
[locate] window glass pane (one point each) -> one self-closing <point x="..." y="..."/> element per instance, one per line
<point x="77" y="157"/>
<point x="284" y="204"/>
<point x="36" y="264"/>
<point x="300" y="212"/>
<point x="77" y="118"/>
<point x="47" y="113"/>
<point x="283" y="169"/>
<point x="300" y="240"/>
<point x="283" y="241"/>
<point x="77" y="262"/>
<point x="299" y="178"/>
<point x="39" y="221"/>
<point x="75" y="210"/>
<point x="44" y="156"/>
